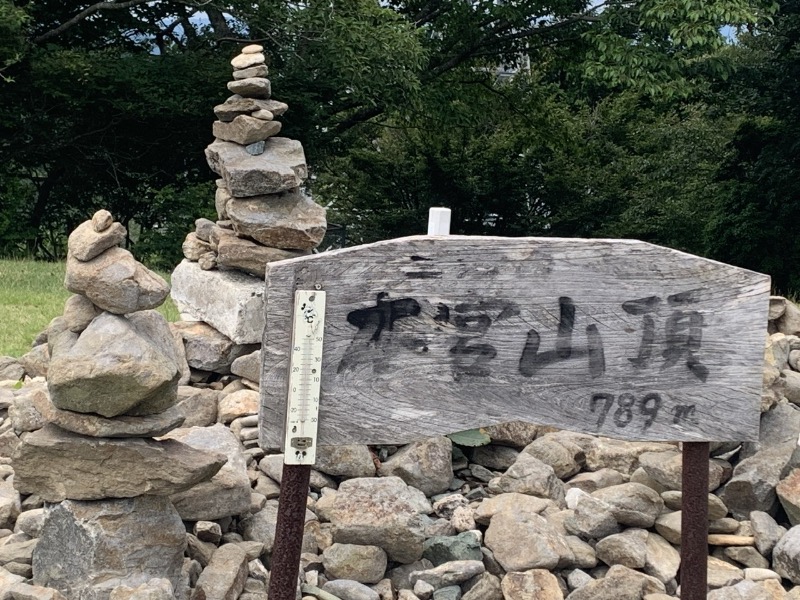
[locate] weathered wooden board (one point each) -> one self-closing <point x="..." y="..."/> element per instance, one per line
<point x="432" y="335"/>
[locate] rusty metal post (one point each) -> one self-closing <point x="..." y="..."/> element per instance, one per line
<point x="285" y="563"/>
<point x="694" y="521"/>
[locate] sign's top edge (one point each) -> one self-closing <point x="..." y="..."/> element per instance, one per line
<point x="456" y="239"/>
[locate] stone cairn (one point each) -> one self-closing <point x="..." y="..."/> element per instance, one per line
<point x="108" y="520"/>
<point x="263" y="216"/>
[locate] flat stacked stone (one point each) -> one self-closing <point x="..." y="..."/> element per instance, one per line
<point x="112" y="387"/>
<point x="263" y="213"/>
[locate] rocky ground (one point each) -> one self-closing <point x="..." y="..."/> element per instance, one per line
<point x="536" y="513"/>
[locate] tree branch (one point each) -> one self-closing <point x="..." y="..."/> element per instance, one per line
<point x="83" y="15"/>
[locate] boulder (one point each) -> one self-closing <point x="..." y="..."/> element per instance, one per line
<point x="79" y="312"/>
<point x="134" y="356"/>
<point x="281" y="167"/>
<point x="619" y="583"/>
<point x="209" y="350"/>
<point x="116" y="282"/>
<point x="382" y="512"/>
<point x="365" y="564"/>
<point x="260" y="527"/>
<point x="57" y="464"/>
<point x="350" y="461"/>
<point x="198" y="404"/>
<point x="632" y="504"/>
<point x="119" y="427"/>
<point x="786" y="555"/>
<point x="288" y="220"/>
<point x="10" y="369"/>
<point x="242" y="254"/>
<point x="85" y="242"/>
<point x="628" y="549"/>
<point x="536" y="584"/>
<point x="249" y="367"/>
<point x="87" y="549"/>
<point x="227" y="493"/>
<point x="425" y="465"/>
<point x="235" y="308"/>
<point x="245" y="130"/>
<point x="224" y="576"/>
<point x="529" y="475"/>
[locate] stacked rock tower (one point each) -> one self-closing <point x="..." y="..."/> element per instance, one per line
<point x="112" y="387"/>
<point x="263" y="213"/>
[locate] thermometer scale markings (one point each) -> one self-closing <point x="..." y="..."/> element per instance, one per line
<point x="305" y="366"/>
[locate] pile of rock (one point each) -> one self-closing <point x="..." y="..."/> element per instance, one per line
<point x="112" y="387"/>
<point x="263" y="216"/>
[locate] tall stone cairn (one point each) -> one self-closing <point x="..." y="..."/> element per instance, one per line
<point x="263" y="216"/>
<point x="112" y="386"/>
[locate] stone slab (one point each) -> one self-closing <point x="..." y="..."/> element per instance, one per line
<point x="229" y="301"/>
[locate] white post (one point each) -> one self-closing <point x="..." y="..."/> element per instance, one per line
<point x="439" y="221"/>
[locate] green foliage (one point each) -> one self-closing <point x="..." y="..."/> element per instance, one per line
<point x="12" y="36"/>
<point x="471" y="438"/>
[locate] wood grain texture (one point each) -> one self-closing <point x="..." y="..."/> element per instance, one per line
<point x="432" y="335"/>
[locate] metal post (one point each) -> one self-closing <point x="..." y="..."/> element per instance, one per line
<point x="285" y="563"/>
<point x="694" y="521"/>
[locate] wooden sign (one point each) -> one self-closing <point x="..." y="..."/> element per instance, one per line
<point x="432" y="335"/>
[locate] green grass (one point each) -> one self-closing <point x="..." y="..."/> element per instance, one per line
<point x="31" y="294"/>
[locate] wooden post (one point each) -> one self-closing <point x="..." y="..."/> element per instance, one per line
<point x="694" y="521"/>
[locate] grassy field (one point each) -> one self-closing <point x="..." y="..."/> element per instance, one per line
<point x="31" y="294"/>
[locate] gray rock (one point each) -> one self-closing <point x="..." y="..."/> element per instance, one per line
<point x="350" y="590"/>
<point x="155" y="589"/>
<point x="288" y="220"/>
<point x="564" y="456"/>
<point x="118" y="427"/>
<point x="236" y="105"/>
<point x="10" y="369"/>
<point x="381" y="512"/>
<point x="620" y="455"/>
<point x="483" y="587"/>
<point x="663" y="559"/>
<point x="199" y="405"/>
<point x="619" y="583"/>
<point x="87" y="549"/>
<point x="249" y="367"/>
<point x="247" y="60"/>
<point x="85" y="243"/>
<point x="365" y="564"/>
<point x="591" y="518"/>
<point x="716" y="507"/>
<point x="260" y="527"/>
<point x="30" y="522"/>
<point x="23" y="412"/>
<point x="209" y="350"/>
<point x="536" y="584"/>
<point x="592" y="481"/>
<point x="451" y="573"/>
<point x="442" y="549"/>
<point x="522" y="540"/>
<point x="79" y="312"/>
<point x="281" y="167"/>
<point x="227" y="493"/>
<point x="237" y="404"/>
<point x="245" y="130"/>
<point x="349" y="461"/>
<point x="116" y="282"/>
<point x="193" y="247"/>
<point x="399" y="576"/>
<point x="722" y="574"/>
<point x="18" y="552"/>
<point x="786" y="555"/>
<point x="425" y="465"/>
<point x="628" y="549"/>
<point x="135" y="356"/>
<point x="235" y="308"/>
<point x="752" y="487"/>
<point x="57" y="464"/>
<point x="746" y="556"/>
<point x="225" y="575"/>
<point x="451" y="592"/>
<point x="529" y="475"/>
<point x="10" y="505"/>
<point x="632" y="504"/>
<point x="665" y="468"/>
<point x="510" y="502"/>
<point x="254" y="149"/>
<point x="516" y="434"/>
<point x="238" y="253"/>
<point x="102" y="220"/>
<point x="669" y="526"/>
<point x="251" y="87"/>
<point x="766" y="532"/>
<point x="37" y="361"/>
<point x="494" y="457"/>
<point x="254" y="71"/>
<point x="789" y="322"/>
